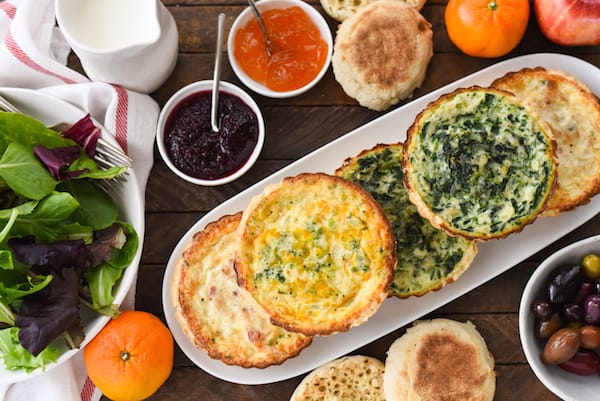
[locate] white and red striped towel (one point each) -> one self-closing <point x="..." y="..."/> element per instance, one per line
<point x="33" y="54"/>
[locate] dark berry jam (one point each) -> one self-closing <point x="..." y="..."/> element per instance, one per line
<point x="199" y="152"/>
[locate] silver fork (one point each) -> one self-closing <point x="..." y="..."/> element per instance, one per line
<point x="107" y="154"/>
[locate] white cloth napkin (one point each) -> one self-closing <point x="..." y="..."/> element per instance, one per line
<point x="33" y="54"/>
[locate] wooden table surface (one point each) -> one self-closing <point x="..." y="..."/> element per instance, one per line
<point x="294" y="128"/>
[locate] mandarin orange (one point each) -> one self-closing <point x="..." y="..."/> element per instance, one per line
<point x="131" y="357"/>
<point x="486" y="28"/>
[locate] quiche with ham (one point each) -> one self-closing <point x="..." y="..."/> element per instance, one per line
<point x="216" y="314"/>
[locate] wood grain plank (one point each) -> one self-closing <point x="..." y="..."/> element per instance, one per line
<point x="444" y="68"/>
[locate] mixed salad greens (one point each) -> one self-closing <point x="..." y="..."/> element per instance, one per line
<point x="62" y="245"/>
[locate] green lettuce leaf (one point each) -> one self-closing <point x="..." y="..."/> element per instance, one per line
<point x="17" y="358"/>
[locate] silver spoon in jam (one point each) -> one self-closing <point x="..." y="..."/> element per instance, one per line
<point x="261" y="24"/>
<point x="214" y="109"/>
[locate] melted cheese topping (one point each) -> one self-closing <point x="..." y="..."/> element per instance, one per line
<point x="317" y="253"/>
<point x="481" y="163"/>
<point x="428" y="258"/>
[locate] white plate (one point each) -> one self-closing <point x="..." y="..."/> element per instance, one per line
<point x="50" y="111"/>
<point x="493" y="258"/>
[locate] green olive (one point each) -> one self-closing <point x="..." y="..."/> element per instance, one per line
<point x="591" y="265"/>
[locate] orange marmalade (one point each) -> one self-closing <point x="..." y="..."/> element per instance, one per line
<point x="298" y="52"/>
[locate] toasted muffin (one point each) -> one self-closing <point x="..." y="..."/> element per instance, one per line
<point x="343" y="9"/>
<point x="573" y="114"/>
<point x="348" y="378"/>
<point x="381" y="53"/>
<point x="317" y="252"/>
<point x="428" y="258"/>
<point x="439" y="360"/>
<point x="219" y="316"/>
<point x="479" y="164"/>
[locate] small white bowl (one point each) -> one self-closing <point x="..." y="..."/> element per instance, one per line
<point x="186" y="92"/>
<point x="264" y="5"/>
<point x="567" y="386"/>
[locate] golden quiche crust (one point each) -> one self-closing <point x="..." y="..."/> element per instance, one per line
<point x="573" y="113"/>
<point x="479" y="163"/>
<point x="317" y="252"/>
<point x="216" y="314"/>
<point x="428" y="258"/>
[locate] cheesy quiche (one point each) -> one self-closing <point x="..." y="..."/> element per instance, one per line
<point x="573" y="114"/>
<point x="479" y="164"/>
<point x="317" y="252"/>
<point x="428" y="258"/>
<point x="219" y="316"/>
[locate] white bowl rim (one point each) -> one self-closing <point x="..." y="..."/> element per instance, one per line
<point x="540" y="275"/>
<point x="186" y="91"/>
<point x="314" y="15"/>
<point x="45" y="106"/>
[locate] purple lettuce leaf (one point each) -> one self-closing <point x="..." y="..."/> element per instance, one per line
<point x="50" y="257"/>
<point x="45" y="315"/>
<point x="56" y="158"/>
<point x="85" y="133"/>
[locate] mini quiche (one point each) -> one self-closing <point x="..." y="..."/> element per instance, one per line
<point x="317" y="252"/>
<point x="216" y="314"/>
<point x="428" y="258"/>
<point x="573" y="114"/>
<point x="479" y="164"/>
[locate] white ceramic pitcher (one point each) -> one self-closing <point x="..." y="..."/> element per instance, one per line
<point x="131" y="43"/>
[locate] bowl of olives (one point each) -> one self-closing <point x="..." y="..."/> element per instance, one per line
<point x="559" y="321"/>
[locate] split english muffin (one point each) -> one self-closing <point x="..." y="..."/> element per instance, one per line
<point x="317" y="252"/>
<point x="439" y="360"/>
<point x="381" y="53"/>
<point x="573" y="114"/>
<point x="349" y="378"/>
<point x="479" y="164"/>
<point x="343" y="9"/>
<point x="219" y="316"/>
<point x="428" y="258"/>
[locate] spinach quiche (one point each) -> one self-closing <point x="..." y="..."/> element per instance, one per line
<point x="572" y="111"/>
<point x="428" y="258"/>
<point x="479" y="164"/>
<point x="317" y="252"/>
<point x="216" y="314"/>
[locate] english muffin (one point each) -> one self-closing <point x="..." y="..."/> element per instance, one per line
<point x="573" y="114"/>
<point x="348" y="378"/>
<point x="439" y="360"/>
<point x="479" y="164"/>
<point x="317" y="252"/>
<point x="381" y="53"/>
<point x="343" y="9"/>
<point x="428" y="258"/>
<point x="219" y="316"/>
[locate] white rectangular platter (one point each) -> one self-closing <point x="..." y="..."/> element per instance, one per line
<point x="493" y="258"/>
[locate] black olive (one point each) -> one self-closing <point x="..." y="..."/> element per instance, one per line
<point x="545" y="328"/>
<point x="542" y="309"/>
<point x="564" y="285"/>
<point x="573" y="313"/>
